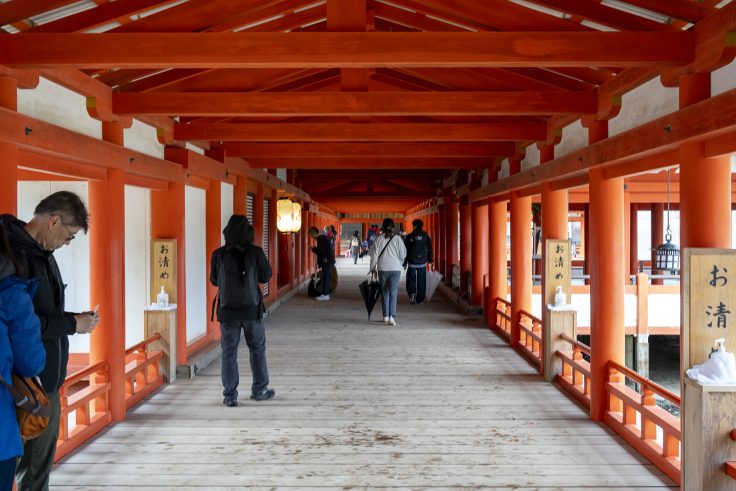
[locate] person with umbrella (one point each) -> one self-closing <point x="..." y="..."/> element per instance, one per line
<point x="388" y="254"/>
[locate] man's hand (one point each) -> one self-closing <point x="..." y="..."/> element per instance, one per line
<point x="86" y="322"/>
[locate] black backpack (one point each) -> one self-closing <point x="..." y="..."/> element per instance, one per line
<point x="237" y="285"/>
<point x="418" y="248"/>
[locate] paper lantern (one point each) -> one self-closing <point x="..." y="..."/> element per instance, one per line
<point x="284" y="213"/>
<point x="296" y="217"/>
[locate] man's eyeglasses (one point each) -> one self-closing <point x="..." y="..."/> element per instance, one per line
<point x="71" y="234"/>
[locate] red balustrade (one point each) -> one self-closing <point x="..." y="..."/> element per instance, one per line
<point x="575" y="376"/>
<point x="142" y="374"/>
<point x="503" y="318"/>
<point x="530" y="341"/>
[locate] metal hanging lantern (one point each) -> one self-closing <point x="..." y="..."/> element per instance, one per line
<point x="667" y="255"/>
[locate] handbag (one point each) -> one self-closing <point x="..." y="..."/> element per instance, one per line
<point x="32" y="405"/>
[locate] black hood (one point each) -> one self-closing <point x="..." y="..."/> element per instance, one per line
<point x="17" y="233"/>
<point x="6" y="267"/>
<point x="238" y="231"/>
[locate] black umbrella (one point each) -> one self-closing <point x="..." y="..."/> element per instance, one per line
<point x="370" y="290"/>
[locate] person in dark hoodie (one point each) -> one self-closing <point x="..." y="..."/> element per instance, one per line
<point x="21" y="352"/>
<point x="236" y="270"/>
<point x="56" y="221"/>
<point x="325" y="260"/>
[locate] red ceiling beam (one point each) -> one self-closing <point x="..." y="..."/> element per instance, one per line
<point x="97" y="16"/>
<point x="371" y="163"/>
<point x="348" y="49"/>
<point x="705" y="121"/>
<point x="382" y="149"/>
<point x="356" y="103"/>
<point x="352" y="132"/>
<point x="15" y="11"/>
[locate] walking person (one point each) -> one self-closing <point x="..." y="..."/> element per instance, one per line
<point x="21" y="352"/>
<point x="325" y="260"/>
<point x="387" y="258"/>
<point x="57" y="219"/>
<point x="418" y="255"/>
<point x="355" y="246"/>
<point x="237" y="269"/>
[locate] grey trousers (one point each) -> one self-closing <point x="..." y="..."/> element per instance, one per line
<point x="255" y="338"/>
<point x="34" y="467"/>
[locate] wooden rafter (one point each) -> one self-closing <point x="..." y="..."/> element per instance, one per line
<point x="349" y="49"/>
<point x="357" y="150"/>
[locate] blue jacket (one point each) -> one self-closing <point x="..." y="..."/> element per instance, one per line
<point x="21" y="351"/>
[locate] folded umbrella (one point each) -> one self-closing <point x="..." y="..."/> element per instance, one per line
<point x="433" y="281"/>
<point x="370" y="290"/>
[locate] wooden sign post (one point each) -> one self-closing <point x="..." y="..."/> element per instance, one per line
<point x="557" y="272"/>
<point x="163" y="268"/>
<point x="708" y="417"/>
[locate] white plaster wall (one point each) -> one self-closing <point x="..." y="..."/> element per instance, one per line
<point x="137" y="261"/>
<point x="503" y="173"/>
<point x="643" y="104"/>
<point x="194" y="148"/>
<point x="54" y="104"/>
<point x="73" y="259"/>
<point x="581" y="302"/>
<point x="196" y="275"/>
<point x="574" y="137"/>
<point x="531" y="157"/>
<point x="142" y="138"/>
<point x="723" y="79"/>
<point x="664" y="310"/>
<point x="226" y="206"/>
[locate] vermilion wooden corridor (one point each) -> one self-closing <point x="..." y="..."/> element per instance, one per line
<point x="436" y="402"/>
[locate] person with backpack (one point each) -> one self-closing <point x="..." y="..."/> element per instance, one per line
<point x="325" y="260"/>
<point x="418" y="255"/>
<point x="355" y="246"/>
<point x="237" y="269"/>
<point x="21" y="352"/>
<point x="387" y="258"/>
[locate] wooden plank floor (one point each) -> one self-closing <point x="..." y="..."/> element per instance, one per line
<point x="436" y="402"/>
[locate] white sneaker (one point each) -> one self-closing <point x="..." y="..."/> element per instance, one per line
<point x="323" y="297"/>
<point x="385" y="320"/>
<point x="392" y="321"/>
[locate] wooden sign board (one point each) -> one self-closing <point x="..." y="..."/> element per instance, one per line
<point x="163" y="268"/>
<point x="557" y="270"/>
<point x="708" y="303"/>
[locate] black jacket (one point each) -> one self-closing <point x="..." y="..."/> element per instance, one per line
<point x="325" y="251"/>
<point x="418" y="248"/>
<point x="48" y="304"/>
<point x="239" y="232"/>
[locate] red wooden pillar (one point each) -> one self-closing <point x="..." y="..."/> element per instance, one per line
<point x="634" y="239"/>
<point x="554" y="217"/>
<point x="213" y="240"/>
<point x="479" y="251"/>
<point x="304" y="238"/>
<point x="586" y="240"/>
<point x="608" y="270"/>
<point x="9" y="152"/>
<point x="521" y="261"/>
<point x="657" y="233"/>
<point x="441" y="258"/>
<point x="705" y="183"/>
<point x="467" y="235"/>
<point x="310" y="241"/>
<point x="451" y="241"/>
<point x="107" y="274"/>
<point x="273" y="244"/>
<point x="240" y="195"/>
<point x="498" y="266"/>
<point x="168" y="222"/>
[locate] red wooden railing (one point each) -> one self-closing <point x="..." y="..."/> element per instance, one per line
<point x="142" y="374"/>
<point x="650" y="429"/>
<point x="730" y="468"/>
<point x="89" y="407"/>
<point x="530" y="340"/>
<point x="503" y="318"/>
<point x="575" y="376"/>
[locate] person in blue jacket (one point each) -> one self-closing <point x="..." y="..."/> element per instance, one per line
<point x="21" y="352"/>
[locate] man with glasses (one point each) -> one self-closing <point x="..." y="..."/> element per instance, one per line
<point x="56" y="221"/>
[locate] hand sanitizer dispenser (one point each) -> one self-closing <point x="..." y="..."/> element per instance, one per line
<point x="162" y="298"/>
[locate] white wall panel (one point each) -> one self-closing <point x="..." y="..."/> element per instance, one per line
<point x="142" y="138"/>
<point x="73" y="259"/>
<point x="226" y="207"/>
<point x="723" y="79"/>
<point x="54" y="104"/>
<point x="643" y="104"/>
<point x="137" y="261"/>
<point x="574" y="137"/>
<point x="195" y="262"/>
<point x="531" y="157"/>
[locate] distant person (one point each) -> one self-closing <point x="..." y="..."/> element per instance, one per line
<point x="57" y="219"/>
<point x="355" y="246"/>
<point x="418" y="255"/>
<point x="237" y="269"/>
<point x="387" y="257"/>
<point x="21" y="352"/>
<point x="325" y="260"/>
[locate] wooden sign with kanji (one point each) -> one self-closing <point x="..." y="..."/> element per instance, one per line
<point x="708" y="303"/>
<point x="557" y="270"/>
<point x="163" y="268"/>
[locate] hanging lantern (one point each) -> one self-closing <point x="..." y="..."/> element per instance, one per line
<point x="296" y="217"/>
<point x="667" y="255"/>
<point x="284" y="213"/>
